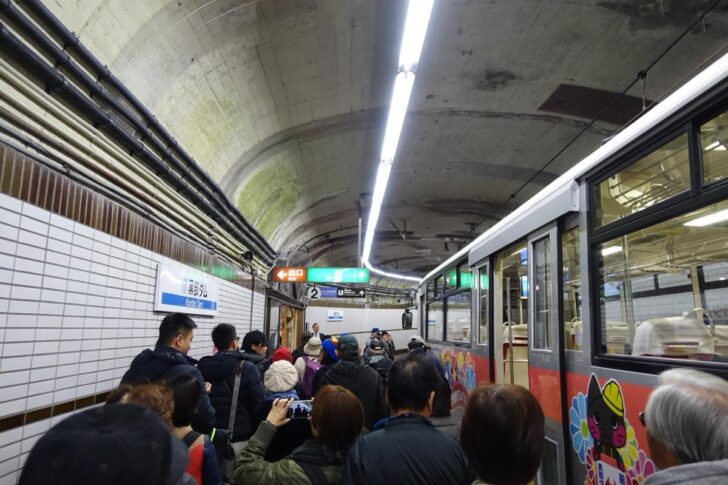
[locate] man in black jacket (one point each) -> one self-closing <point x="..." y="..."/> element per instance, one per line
<point x="359" y="378"/>
<point x="406" y="448"/>
<point x="255" y="350"/>
<point x="168" y="360"/>
<point x="219" y="370"/>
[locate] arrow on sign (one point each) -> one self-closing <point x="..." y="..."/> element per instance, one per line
<point x="282" y="274"/>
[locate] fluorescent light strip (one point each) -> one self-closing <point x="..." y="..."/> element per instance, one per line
<point x="415" y="29"/>
<point x="611" y="250"/>
<point x="714" y="218"/>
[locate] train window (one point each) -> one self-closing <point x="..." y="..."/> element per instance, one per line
<point x="571" y="309"/>
<point x="435" y="319"/>
<point x="483" y="296"/>
<point x="542" y="294"/>
<point x="439" y="289"/>
<point x="465" y="278"/>
<point x="458" y="317"/>
<point x="450" y="279"/>
<point x="654" y="178"/>
<point x="714" y="143"/>
<point x="663" y="289"/>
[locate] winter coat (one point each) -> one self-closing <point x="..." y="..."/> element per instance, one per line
<point x="412" y="446"/>
<point x="163" y="364"/>
<point x="253" y="469"/>
<point x="389" y="348"/>
<point x="364" y="382"/>
<point x="262" y="363"/>
<point x="430" y="356"/>
<point x="703" y="472"/>
<point x="447" y="424"/>
<point x="219" y="370"/>
<point x="289" y="436"/>
<point x="319" y="377"/>
<point x="381" y="364"/>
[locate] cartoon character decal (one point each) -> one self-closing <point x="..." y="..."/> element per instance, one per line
<point x="605" y="408"/>
<point x="603" y="438"/>
<point x="459" y="370"/>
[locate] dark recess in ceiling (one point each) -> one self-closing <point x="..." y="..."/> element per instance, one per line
<point x="583" y="102"/>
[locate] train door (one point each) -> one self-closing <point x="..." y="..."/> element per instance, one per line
<point x="510" y="315"/>
<point x="480" y="342"/>
<point x="545" y="362"/>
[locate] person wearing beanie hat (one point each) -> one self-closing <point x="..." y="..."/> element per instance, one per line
<point x="116" y="444"/>
<point x="281" y="353"/>
<point x="359" y="378"/>
<point x="298" y="351"/>
<point x="308" y="365"/>
<point x="327" y="359"/>
<point x="281" y="381"/>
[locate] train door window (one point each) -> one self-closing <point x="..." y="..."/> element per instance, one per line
<point x="542" y="291"/>
<point x="465" y="278"/>
<point x="714" y="145"/>
<point x="571" y="288"/>
<point x="654" y="178"/>
<point x="663" y="288"/>
<point x="483" y="305"/>
<point x="439" y="286"/>
<point x="458" y="316"/>
<point x="511" y="314"/>
<point x="435" y="320"/>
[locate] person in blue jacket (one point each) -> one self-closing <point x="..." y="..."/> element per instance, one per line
<point x="169" y="359"/>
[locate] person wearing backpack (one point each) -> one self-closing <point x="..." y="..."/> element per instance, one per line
<point x="203" y="465"/>
<point x="337" y="419"/>
<point x="308" y="365"/>
<point x="378" y="359"/>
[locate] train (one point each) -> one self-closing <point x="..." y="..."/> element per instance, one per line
<point x="614" y="272"/>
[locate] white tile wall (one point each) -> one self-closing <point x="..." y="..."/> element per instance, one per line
<point x="360" y="321"/>
<point x="75" y="308"/>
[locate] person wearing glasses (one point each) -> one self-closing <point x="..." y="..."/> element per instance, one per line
<point x="687" y="428"/>
<point x="219" y="370"/>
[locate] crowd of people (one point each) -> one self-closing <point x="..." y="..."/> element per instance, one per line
<point x="237" y="417"/>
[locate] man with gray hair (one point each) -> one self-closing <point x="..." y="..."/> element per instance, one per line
<point x="687" y="428"/>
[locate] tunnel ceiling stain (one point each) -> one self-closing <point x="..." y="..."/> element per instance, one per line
<point x="282" y="102"/>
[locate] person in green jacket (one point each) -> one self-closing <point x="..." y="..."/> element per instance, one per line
<point x="337" y="419"/>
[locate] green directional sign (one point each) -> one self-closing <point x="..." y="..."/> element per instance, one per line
<point x="337" y="275"/>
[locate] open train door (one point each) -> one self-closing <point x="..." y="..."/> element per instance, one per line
<point x="545" y="354"/>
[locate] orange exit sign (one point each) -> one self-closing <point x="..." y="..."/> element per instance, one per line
<point x="289" y="274"/>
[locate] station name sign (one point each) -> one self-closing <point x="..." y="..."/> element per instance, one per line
<point x="296" y="274"/>
<point x="185" y="290"/>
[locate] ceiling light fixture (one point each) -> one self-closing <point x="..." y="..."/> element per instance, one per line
<point x="708" y="220"/>
<point x="415" y="29"/>
<point x="611" y="250"/>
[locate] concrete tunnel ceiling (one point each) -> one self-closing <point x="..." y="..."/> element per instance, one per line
<point x="283" y="102"/>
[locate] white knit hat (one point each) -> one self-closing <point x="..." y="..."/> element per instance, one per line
<point x="281" y="376"/>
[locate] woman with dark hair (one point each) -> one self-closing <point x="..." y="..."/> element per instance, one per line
<point x="502" y="434"/>
<point x="337" y="419"/>
<point x="203" y="465"/>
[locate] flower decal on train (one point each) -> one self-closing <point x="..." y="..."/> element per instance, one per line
<point x="581" y="440"/>
<point x="603" y="438"/>
<point x="643" y="468"/>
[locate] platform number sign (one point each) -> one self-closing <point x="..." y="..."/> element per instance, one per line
<point x="313" y="293"/>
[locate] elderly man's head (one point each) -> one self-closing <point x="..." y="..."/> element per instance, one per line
<point x="687" y="418"/>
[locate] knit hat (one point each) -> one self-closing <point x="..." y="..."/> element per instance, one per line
<point x="416" y="339"/>
<point x="313" y="347"/>
<point x="113" y="444"/>
<point x="375" y="330"/>
<point x="281" y="376"/>
<point x="281" y="353"/>
<point x="330" y="347"/>
<point x="347" y="342"/>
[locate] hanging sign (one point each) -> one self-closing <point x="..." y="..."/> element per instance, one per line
<point x="338" y="275"/>
<point x="185" y="290"/>
<point x="350" y="293"/>
<point x="289" y="274"/>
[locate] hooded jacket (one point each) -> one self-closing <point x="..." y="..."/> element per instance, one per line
<point x="253" y="469"/>
<point x="412" y="446"/>
<point x="219" y="370"/>
<point x="166" y="363"/>
<point x="704" y="473"/>
<point x="364" y="382"/>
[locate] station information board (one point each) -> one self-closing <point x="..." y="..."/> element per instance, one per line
<point x="338" y="275"/>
